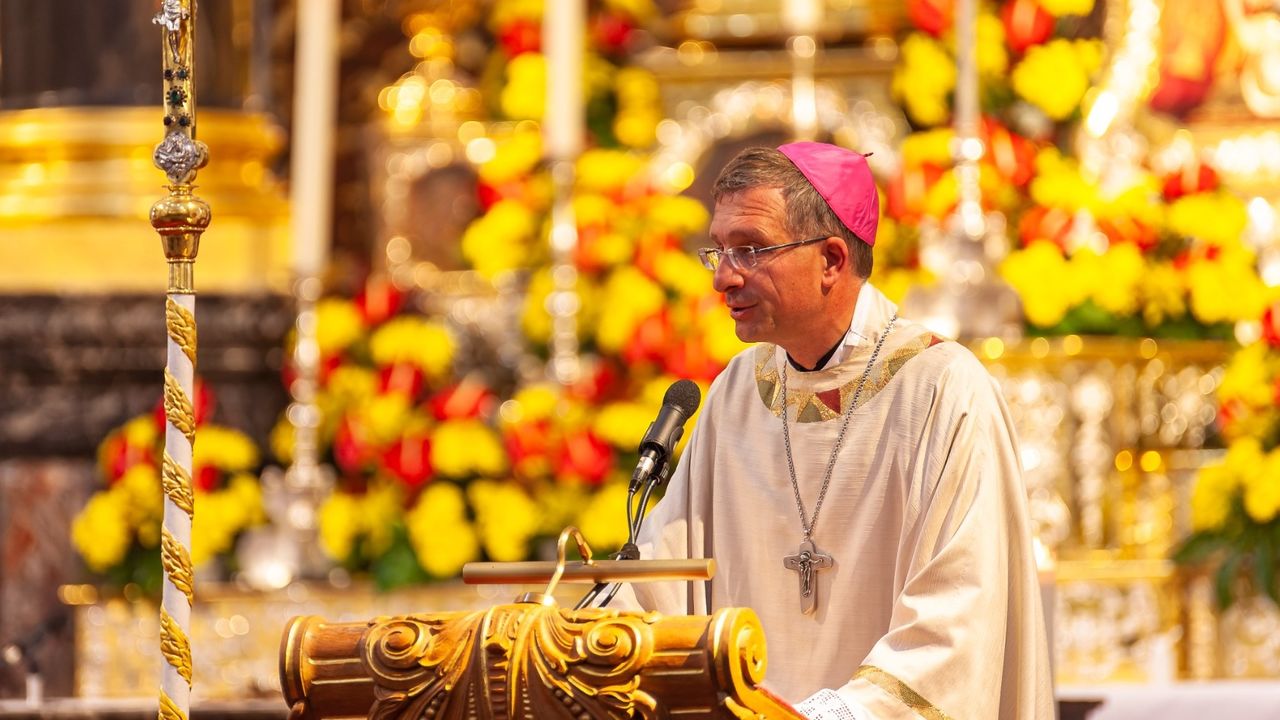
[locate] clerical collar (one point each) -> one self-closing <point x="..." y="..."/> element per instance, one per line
<point x="857" y="335"/>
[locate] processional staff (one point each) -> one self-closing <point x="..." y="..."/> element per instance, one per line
<point x="180" y="218"/>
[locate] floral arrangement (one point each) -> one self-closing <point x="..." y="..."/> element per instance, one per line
<point x="117" y="534"/>
<point x="1142" y="255"/>
<point x="433" y="470"/>
<point x="1235" y="503"/>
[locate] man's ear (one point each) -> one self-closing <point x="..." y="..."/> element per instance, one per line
<point x="836" y="260"/>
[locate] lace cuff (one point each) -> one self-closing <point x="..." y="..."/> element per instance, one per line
<point x="826" y="704"/>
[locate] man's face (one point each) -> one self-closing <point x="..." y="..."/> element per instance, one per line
<point x="778" y="300"/>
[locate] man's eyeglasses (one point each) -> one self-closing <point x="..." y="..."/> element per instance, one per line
<point x="743" y="257"/>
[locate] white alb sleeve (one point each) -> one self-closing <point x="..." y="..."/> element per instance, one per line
<point x="827" y="704"/>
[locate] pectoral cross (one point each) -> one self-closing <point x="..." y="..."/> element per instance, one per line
<point x="807" y="561"/>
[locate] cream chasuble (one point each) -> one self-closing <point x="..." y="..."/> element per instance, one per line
<point x="930" y="605"/>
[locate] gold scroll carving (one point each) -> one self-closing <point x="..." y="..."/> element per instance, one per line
<point x="529" y="661"/>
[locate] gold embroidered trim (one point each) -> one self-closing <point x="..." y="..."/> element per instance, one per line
<point x="176" y="561"/>
<point x="807" y="405"/>
<point x="901" y="691"/>
<point x="177" y="485"/>
<point x="174" y="645"/>
<point x="169" y="710"/>
<point x="177" y="407"/>
<point x="181" y="324"/>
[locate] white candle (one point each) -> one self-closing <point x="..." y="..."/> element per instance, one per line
<point x="563" y="122"/>
<point x="314" y="118"/>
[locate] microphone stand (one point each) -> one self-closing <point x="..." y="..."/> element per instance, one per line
<point x="629" y="550"/>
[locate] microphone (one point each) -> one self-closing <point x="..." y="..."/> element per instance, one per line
<point x="678" y="405"/>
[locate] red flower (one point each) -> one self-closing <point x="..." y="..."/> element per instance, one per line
<point x="597" y="382"/>
<point x="351" y="450"/>
<point x="905" y="195"/>
<point x="118" y="456"/>
<point x="520" y="36"/>
<point x="1044" y="223"/>
<point x="1195" y="178"/>
<point x="409" y="460"/>
<point x="1128" y="229"/>
<point x="1271" y="326"/>
<point x="466" y="400"/>
<point x="585" y="457"/>
<point x="205" y="478"/>
<point x="1025" y="24"/>
<point x="690" y="359"/>
<point x="932" y="16"/>
<point x="1012" y="155"/>
<point x="401" y="378"/>
<point x="651" y="341"/>
<point x="378" y="301"/>
<point x="204" y="404"/>
<point x="529" y="446"/>
<point x="612" y="31"/>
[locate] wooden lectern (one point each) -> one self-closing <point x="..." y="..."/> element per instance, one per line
<point x="532" y="659"/>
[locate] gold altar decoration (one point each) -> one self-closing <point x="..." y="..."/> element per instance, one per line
<point x="529" y="661"/>
<point x="1110" y="432"/>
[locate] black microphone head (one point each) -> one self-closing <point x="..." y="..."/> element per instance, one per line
<point x="685" y="395"/>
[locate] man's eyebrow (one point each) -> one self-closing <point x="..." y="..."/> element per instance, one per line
<point x="744" y="236"/>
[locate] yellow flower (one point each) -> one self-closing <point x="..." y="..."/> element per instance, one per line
<point x="993" y="59"/>
<point x="1120" y="273"/>
<point x="338" y="324"/>
<point x="506" y="518"/>
<point x="1055" y="76"/>
<point x="383" y="418"/>
<point x="214" y="527"/>
<point x="413" y="340"/>
<point x="1215" y="218"/>
<point x="339" y="522"/>
<point x="608" y="171"/>
<point x="380" y="508"/>
<point x="524" y="96"/>
<point x="281" y="440"/>
<point x="499" y="240"/>
<point x="141" y="496"/>
<point x="928" y="146"/>
<point x="1059" y="184"/>
<point x="676" y="214"/>
<point x="559" y="505"/>
<point x="1226" y="289"/>
<point x="1211" y="498"/>
<point x="141" y="431"/>
<point x="923" y="79"/>
<point x="226" y="449"/>
<point x="1262" y="488"/>
<point x="463" y="448"/>
<point x="438" y="530"/>
<point x="637" y="128"/>
<point x="603" y="521"/>
<point x="720" y="335"/>
<point x="1038" y="274"/>
<point x="1248" y="378"/>
<point x="623" y="424"/>
<point x="683" y="273"/>
<point x="99" y="532"/>
<point x="1163" y="291"/>
<point x="1058" y="8"/>
<point x="631" y="297"/>
<point x="532" y="403"/>
<point x="513" y="157"/>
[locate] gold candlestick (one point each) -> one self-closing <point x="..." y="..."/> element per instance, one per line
<point x="180" y="219"/>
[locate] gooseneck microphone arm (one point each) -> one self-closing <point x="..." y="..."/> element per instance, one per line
<point x="652" y="470"/>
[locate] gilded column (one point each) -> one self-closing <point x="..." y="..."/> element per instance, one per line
<point x="180" y="219"/>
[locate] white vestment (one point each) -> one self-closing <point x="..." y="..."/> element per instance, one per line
<point x="932" y="605"/>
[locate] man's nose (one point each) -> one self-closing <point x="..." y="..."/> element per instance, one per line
<point x="726" y="276"/>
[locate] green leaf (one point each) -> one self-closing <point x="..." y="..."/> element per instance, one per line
<point x="398" y="566"/>
<point x="1197" y="548"/>
<point x="1224" y="579"/>
<point x="1264" y="567"/>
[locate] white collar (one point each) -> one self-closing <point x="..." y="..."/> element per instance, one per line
<point x="858" y="333"/>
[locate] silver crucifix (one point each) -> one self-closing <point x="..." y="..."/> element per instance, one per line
<point x="807" y="561"/>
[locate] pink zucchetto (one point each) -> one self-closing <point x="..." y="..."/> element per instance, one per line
<point x="844" y="180"/>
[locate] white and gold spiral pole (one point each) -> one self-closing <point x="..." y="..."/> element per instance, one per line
<point x="180" y="219"/>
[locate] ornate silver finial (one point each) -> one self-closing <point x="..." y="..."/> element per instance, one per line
<point x="179" y="157"/>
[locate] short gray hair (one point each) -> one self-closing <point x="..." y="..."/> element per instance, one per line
<point x="808" y="215"/>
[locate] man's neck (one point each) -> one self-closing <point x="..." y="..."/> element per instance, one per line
<point x="827" y="340"/>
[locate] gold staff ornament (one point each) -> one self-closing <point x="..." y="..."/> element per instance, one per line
<point x="180" y="218"/>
